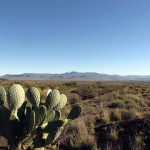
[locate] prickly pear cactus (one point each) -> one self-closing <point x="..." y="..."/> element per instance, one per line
<point x="34" y="125"/>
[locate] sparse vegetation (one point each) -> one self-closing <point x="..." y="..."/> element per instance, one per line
<point x="111" y="111"/>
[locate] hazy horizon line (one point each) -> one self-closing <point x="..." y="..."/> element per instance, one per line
<point x="74" y="71"/>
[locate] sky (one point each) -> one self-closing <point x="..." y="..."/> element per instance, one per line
<point x="57" y="36"/>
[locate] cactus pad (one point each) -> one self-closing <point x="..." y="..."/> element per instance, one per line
<point x="75" y="112"/>
<point x="50" y="116"/>
<point x="31" y="122"/>
<point x="52" y="99"/>
<point x="33" y="96"/>
<point x="16" y="97"/>
<point x="2" y="96"/>
<point x="40" y="114"/>
<point x="62" y="102"/>
<point x="54" y="125"/>
<point x="53" y="136"/>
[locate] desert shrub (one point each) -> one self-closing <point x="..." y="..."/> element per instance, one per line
<point x="81" y="137"/>
<point x="113" y="135"/>
<point x="105" y="118"/>
<point x="115" y="115"/>
<point x="72" y="84"/>
<point x="129" y="114"/>
<point x="130" y="104"/>
<point x="74" y="98"/>
<point x="117" y="104"/>
<point x="137" y="98"/>
<point x="103" y="90"/>
<point x="141" y="102"/>
<point x="43" y="94"/>
<point x="86" y="92"/>
<point x="145" y="94"/>
<point x="133" y="96"/>
<point x="147" y="113"/>
<point x="117" y="95"/>
<point x="138" y="139"/>
<point x="138" y="142"/>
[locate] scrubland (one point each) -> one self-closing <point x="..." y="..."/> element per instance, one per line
<point x="115" y="115"/>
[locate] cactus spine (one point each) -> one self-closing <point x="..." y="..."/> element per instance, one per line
<point x="33" y="126"/>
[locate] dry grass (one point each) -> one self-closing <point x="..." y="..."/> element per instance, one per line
<point x="106" y="101"/>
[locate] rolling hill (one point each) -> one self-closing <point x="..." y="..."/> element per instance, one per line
<point x="76" y="76"/>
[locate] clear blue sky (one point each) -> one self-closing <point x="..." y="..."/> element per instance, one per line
<point x="55" y="36"/>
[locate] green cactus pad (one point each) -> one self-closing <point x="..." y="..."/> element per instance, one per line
<point x="14" y="125"/>
<point x="2" y="96"/>
<point x="53" y="126"/>
<point x="5" y="128"/>
<point x="40" y="114"/>
<point x="62" y="102"/>
<point x="10" y="125"/>
<point x="21" y="112"/>
<point x="50" y="116"/>
<point x="75" y="112"/>
<point x="53" y="136"/>
<point x="33" y="96"/>
<point x="52" y="99"/>
<point x="31" y="122"/>
<point x="16" y="97"/>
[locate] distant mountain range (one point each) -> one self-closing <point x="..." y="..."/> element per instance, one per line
<point x="76" y="76"/>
